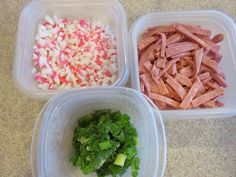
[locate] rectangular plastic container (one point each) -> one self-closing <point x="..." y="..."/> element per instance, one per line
<point x="52" y="147"/>
<point x="109" y="12"/>
<point x="215" y="21"/>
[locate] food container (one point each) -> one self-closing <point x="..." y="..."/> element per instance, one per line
<point x="109" y="12"/>
<point x="215" y="21"/>
<point x="52" y="139"/>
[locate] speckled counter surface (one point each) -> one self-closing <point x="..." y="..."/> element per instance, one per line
<point x="197" y="148"/>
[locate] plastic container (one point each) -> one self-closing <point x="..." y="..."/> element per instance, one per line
<point x="109" y="12"/>
<point x="210" y="19"/>
<point x="51" y="146"/>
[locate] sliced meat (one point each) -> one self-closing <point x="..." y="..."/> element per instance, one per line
<point x="190" y="35"/>
<point x="148" y="65"/>
<point x="154" y="73"/>
<point x="162" y="87"/>
<point x="197" y="61"/>
<point x="172" y="94"/>
<point x="161" y="63"/>
<point x="207" y="96"/>
<point x="184" y="54"/>
<point x="186" y="71"/>
<point x="217" y="38"/>
<point x="160" y="105"/>
<point x="196" y="30"/>
<point x="181" y="48"/>
<point x="165" y="99"/>
<point x="173" y="39"/>
<point x="146" y="41"/>
<point x="148" y="54"/>
<point x="163" y="44"/>
<point x="219" y="79"/>
<point x="176" y="86"/>
<point x="184" y="81"/>
<point x="146" y="82"/>
<point x="211" y="64"/>
<point x="173" y="70"/>
<point x="142" y="89"/>
<point x="162" y="29"/>
<point x="204" y="76"/>
<point x="191" y="94"/>
<point x="168" y="66"/>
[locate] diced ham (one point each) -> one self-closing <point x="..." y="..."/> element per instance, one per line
<point x="217" y="38"/>
<point x="173" y="39"/>
<point x="148" y="65"/>
<point x="207" y="96"/>
<point x="197" y="61"/>
<point x="168" y="66"/>
<point x="145" y="42"/>
<point x="165" y="99"/>
<point x="162" y="88"/>
<point x="176" y="86"/>
<point x="181" y="48"/>
<point x="191" y="94"/>
<point x="161" y="63"/>
<point x="184" y="81"/>
<point x="186" y="71"/>
<point x="190" y="35"/>
<point x="196" y="30"/>
<point x="211" y="64"/>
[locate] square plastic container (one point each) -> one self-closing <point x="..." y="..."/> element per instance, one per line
<point x="215" y="21"/>
<point x="109" y="12"/>
<point x="52" y="139"/>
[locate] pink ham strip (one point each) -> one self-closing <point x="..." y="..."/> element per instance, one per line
<point x="161" y="63"/>
<point x="217" y="38"/>
<point x="183" y="80"/>
<point x="186" y="71"/>
<point x="196" y="30"/>
<point x="197" y="61"/>
<point x="173" y="39"/>
<point x="174" y="50"/>
<point x="144" y="42"/>
<point x="142" y="86"/>
<point x="219" y="79"/>
<point x="148" y="54"/>
<point x="162" y="29"/>
<point x="160" y="105"/>
<point x="211" y="64"/>
<point x="164" y="99"/>
<point x="163" y="44"/>
<point x="212" y="85"/>
<point x="172" y="94"/>
<point x="155" y="73"/>
<point x="184" y="54"/>
<point x="168" y="65"/>
<point x="190" y="35"/>
<point x="204" y="76"/>
<point x="173" y="70"/>
<point x="207" y="96"/>
<point x="191" y="94"/>
<point x="162" y="87"/>
<point x="210" y="104"/>
<point x="148" y="65"/>
<point x="146" y="83"/>
<point x="218" y="103"/>
<point x="176" y="86"/>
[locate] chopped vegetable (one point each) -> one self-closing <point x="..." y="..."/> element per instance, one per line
<point x="105" y="142"/>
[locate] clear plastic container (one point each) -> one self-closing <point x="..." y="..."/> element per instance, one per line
<point x="52" y="139"/>
<point x="210" y="19"/>
<point x="109" y="12"/>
